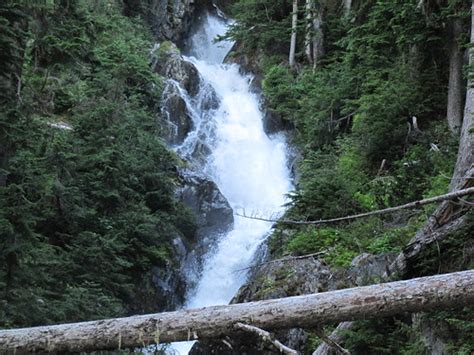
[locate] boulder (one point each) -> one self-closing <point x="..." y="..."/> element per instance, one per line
<point x="168" y="62"/>
<point x="203" y="197"/>
<point x="214" y="217"/>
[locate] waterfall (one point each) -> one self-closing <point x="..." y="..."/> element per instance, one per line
<point x="249" y="167"/>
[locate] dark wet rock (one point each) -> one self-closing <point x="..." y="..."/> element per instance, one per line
<point x="432" y="333"/>
<point x="214" y="217"/>
<point x="170" y="286"/>
<point x="168" y="62"/>
<point x="208" y="98"/>
<point x="176" y="121"/>
<point x="203" y="197"/>
<point x="294" y="160"/>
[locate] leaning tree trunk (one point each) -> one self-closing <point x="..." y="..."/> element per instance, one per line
<point x="455" y="86"/>
<point x="435" y="292"/>
<point x="294" y="24"/>
<point x="465" y="160"/>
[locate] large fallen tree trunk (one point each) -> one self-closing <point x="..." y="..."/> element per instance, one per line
<point x="434" y="292"/>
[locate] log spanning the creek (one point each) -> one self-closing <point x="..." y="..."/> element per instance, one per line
<point x="415" y="295"/>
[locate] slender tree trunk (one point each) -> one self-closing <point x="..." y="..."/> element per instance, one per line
<point x="347" y="6"/>
<point x="318" y="37"/>
<point x="455" y="86"/>
<point x="309" y="30"/>
<point x="376" y="301"/>
<point x="294" y="24"/>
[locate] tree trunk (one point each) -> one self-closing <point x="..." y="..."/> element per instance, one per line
<point x="455" y="86"/>
<point x="309" y="30"/>
<point x="465" y="161"/>
<point x="318" y="37"/>
<point x="376" y="301"/>
<point x="347" y="6"/>
<point x="294" y="24"/>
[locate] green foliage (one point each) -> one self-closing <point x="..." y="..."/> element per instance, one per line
<point x="458" y="328"/>
<point x="85" y="214"/>
<point x="384" y="336"/>
<point x="262" y="24"/>
<point x="340" y="245"/>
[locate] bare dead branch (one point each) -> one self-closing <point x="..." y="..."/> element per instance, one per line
<point x="450" y="196"/>
<point x="266" y="336"/>
<point x="288" y="258"/>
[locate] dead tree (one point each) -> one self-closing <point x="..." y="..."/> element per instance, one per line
<point x="294" y="24"/>
<point x="309" y="30"/>
<point x="455" y="86"/>
<point x="376" y="301"/>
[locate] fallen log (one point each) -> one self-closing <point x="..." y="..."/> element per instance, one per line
<point x="415" y="295"/>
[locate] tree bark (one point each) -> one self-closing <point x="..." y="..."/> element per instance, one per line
<point x="309" y="30"/>
<point x="318" y="36"/>
<point x="422" y="294"/>
<point x="465" y="160"/>
<point x="455" y="87"/>
<point x="294" y="24"/>
<point x="347" y="6"/>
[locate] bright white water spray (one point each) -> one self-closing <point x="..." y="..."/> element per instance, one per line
<point x="249" y="167"/>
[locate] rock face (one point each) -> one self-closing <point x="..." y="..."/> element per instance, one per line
<point x="176" y="121"/>
<point x="292" y="277"/>
<point x="214" y="217"/>
<point x="214" y="214"/>
<point x="168" y="62"/>
<point x="182" y="85"/>
<point x="170" y="19"/>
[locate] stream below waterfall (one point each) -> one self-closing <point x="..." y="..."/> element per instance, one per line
<point x="249" y="167"/>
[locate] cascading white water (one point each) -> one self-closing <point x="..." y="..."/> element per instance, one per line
<point x="249" y="167"/>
